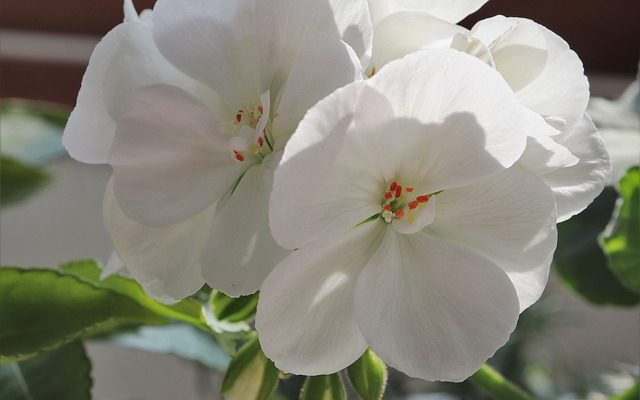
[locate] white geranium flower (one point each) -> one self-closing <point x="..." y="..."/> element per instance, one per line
<point x="416" y="235"/>
<point x="192" y="105"/>
<point x="546" y="76"/>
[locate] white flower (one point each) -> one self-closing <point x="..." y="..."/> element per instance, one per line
<point x="192" y="105"/>
<point x="619" y="124"/>
<point x="416" y="235"/>
<point x="546" y="76"/>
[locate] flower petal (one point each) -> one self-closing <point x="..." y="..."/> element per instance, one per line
<point x="298" y="209"/>
<point x="418" y="87"/>
<point x="432" y="309"/>
<point x="305" y="319"/>
<point x="575" y="187"/>
<point x="404" y="32"/>
<point x="242" y="48"/>
<point x="170" y="159"/>
<point x="561" y="89"/>
<point x="241" y="252"/>
<point x="448" y="10"/>
<point x="124" y="60"/>
<point x="166" y="260"/>
<point x="508" y="218"/>
<point x="310" y="81"/>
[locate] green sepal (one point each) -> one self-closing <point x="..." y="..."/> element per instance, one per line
<point x="368" y="376"/>
<point x="323" y="387"/>
<point x="233" y="309"/>
<point x="251" y="375"/>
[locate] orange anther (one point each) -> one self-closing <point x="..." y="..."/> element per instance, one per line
<point x="260" y="109"/>
<point x="398" y="191"/>
<point x="423" y="199"/>
<point x="239" y="156"/>
<point x="399" y="214"/>
<point x="239" y="116"/>
<point x="387" y="207"/>
<point x="388" y="196"/>
<point x="413" y="205"/>
<point x="393" y="186"/>
<point x="260" y="141"/>
<point x="409" y="189"/>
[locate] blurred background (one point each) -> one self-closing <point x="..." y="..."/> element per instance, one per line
<point x="44" y="49"/>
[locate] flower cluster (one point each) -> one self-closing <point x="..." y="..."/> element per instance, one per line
<point x="385" y="177"/>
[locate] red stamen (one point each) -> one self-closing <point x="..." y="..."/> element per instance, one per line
<point x="260" y="141"/>
<point x="398" y="191"/>
<point x="413" y="205"/>
<point x="423" y="199"/>
<point x="239" y="116"/>
<point x="409" y="189"/>
<point x="388" y="196"/>
<point x="399" y="214"/>
<point x="387" y="207"/>
<point x="239" y="156"/>
<point x="260" y="109"/>
<point x="393" y="186"/>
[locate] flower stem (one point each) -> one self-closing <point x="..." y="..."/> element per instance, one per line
<point x="497" y="385"/>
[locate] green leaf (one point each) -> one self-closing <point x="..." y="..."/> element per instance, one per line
<point x="181" y="340"/>
<point x="64" y="373"/>
<point x="368" y="375"/>
<point x="622" y="245"/>
<point x="42" y="309"/>
<point x="232" y="309"/>
<point x="189" y="311"/>
<point x="323" y="387"/>
<point x="18" y="180"/>
<point x="251" y="375"/>
<point x="580" y="261"/>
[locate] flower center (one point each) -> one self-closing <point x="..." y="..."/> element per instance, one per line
<point x="400" y="202"/>
<point x="253" y="131"/>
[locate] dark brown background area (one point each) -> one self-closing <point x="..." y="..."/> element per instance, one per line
<point x="605" y="33"/>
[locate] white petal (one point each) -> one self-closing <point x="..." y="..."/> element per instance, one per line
<point x="170" y="159"/>
<point x="305" y="319"/>
<point x="242" y="48"/>
<point x="166" y="260"/>
<point x="89" y="131"/>
<point x="298" y="208"/>
<point x="510" y="219"/>
<point x="543" y="154"/>
<point x="432" y="309"/>
<point x="353" y="21"/>
<point x="124" y="60"/>
<point x="241" y="251"/>
<point x="576" y="187"/>
<point x="310" y="80"/>
<point x="448" y="10"/>
<point x="520" y="54"/>
<point x="418" y="87"/>
<point x="561" y="89"/>
<point x="403" y="33"/>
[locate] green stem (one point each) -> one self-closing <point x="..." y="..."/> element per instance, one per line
<point x="631" y="394"/>
<point x="497" y="385"/>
